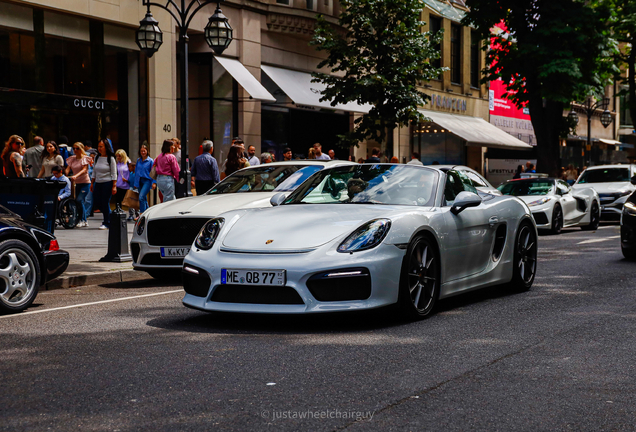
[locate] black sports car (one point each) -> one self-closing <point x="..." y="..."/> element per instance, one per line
<point x="29" y="257"/>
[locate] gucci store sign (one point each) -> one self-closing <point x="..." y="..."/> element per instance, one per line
<point x="88" y="103"/>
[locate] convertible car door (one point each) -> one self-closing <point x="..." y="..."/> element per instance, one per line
<point x="468" y="236"/>
<point x="568" y="203"/>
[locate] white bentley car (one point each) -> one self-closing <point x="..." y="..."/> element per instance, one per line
<point x="555" y="205"/>
<point x="164" y="233"/>
<point x="612" y="183"/>
<point x="362" y="237"/>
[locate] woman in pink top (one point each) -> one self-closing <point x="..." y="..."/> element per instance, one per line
<point x="167" y="171"/>
<point x="78" y="163"/>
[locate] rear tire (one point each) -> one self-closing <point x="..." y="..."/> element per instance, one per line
<point x="595" y="218"/>
<point x="420" y="279"/>
<point x="525" y="258"/>
<point x="19" y="276"/>
<point x="557" y="220"/>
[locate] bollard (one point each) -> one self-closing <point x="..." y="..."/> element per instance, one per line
<point x="117" y="238"/>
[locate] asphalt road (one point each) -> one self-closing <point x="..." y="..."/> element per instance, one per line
<point x="559" y="357"/>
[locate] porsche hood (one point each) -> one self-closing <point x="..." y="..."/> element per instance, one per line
<point x="298" y="227"/>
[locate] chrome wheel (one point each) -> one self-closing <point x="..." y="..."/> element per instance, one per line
<point x="526" y="254"/>
<point x="18" y="277"/>
<point x="422" y="276"/>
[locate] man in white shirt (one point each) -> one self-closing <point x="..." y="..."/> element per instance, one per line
<point x="415" y="159"/>
<point x="253" y="160"/>
<point x="319" y="154"/>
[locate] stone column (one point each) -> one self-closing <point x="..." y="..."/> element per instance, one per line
<point x="249" y="111"/>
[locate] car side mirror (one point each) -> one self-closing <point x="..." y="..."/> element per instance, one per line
<point x="464" y="200"/>
<point x="278" y="199"/>
<point x="633" y="180"/>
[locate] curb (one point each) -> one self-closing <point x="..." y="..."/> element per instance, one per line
<point x="95" y="279"/>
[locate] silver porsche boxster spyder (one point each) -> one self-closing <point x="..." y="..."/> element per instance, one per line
<point x="362" y="237"/>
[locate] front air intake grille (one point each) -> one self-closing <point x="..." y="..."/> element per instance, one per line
<point x="540" y="218"/>
<point x="196" y="281"/>
<point x="155" y="259"/>
<point x="275" y="295"/>
<point x="341" y="285"/>
<point x="174" y="232"/>
<point x="135" y="249"/>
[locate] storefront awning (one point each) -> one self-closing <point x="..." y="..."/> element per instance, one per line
<point x="299" y="88"/>
<point x="245" y="79"/>
<point x="476" y="131"/>
<point x="609" y="141"/>
<point x="445" y="10"/>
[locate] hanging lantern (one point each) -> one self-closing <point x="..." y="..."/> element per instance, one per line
<point x="218" y="33"/>
<point x="606" y="118"/>
<point x="149" y="36"/>
<point x="573" y="117"/>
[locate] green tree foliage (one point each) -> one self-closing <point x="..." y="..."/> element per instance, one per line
<point x="557" y="51"/>
<point x="625" y="31"/>
<point x="381" y="53"/>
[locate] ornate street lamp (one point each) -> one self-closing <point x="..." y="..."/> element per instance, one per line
<point x="573" y="116"/>
<point x="218" y="32"/>
<point x="218" y="35"/>
<point x="590" y="108"/>
<point x="149" y="36"/>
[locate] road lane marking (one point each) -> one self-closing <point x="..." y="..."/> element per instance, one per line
<point x="90" y="304"/>
<point x="598" y="240"/>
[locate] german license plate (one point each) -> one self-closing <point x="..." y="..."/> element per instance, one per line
<point x="253" y="277"/>
<point x="177" y="252"/>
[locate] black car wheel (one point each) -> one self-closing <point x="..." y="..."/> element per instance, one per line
<point x="557" y="220"/>
<point x="595" y="218"/>
<point x="525" y="258"/>
<point x="420" y="281"/>
<point x="19" y="276"/>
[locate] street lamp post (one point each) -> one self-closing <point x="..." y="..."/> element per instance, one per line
<point x="218" y="34"/>
<point x="590" y="107"/>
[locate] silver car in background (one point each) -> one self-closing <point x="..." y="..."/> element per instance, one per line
<point x="612" y="183"/>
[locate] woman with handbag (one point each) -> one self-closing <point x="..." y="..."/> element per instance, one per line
<point x="123" y="177"/>
<point x="167" y="170"/>
<point x="143" y="179"/>
<point x="104" y="181"/>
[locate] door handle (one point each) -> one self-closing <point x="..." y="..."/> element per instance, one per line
<point x="492" y="221"/>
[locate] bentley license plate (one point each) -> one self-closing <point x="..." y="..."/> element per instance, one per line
<point x="253" y="277"/>
<point x="176" y="252"/>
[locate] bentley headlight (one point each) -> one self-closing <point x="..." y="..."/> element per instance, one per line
<point x="209" y="232"/>
<point x="141" y="225"/>
<point x="629" y="208"/>
<point x="539" y="202"/>
<point x="366" y="237"/>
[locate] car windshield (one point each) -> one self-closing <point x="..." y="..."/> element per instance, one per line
<point x="605" y="175"/>
<point x="369" y="184"/>
<point x="527" y="187"/>
<point x="265" y="178"/>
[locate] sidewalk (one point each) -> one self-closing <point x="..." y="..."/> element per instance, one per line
<point x="85" y="247"/>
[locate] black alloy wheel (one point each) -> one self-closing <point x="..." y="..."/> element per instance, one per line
<point x="557" y="220"/>
<point x="420" y="281"/>
<point x="525" y="258"/>
<point x="595" y="218"/>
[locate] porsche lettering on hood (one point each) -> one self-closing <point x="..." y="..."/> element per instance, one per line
<point x="270" y="229"/>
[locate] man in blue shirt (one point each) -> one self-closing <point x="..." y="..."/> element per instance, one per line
<point x="205" y="170"/>
<point x="58" y="175"/>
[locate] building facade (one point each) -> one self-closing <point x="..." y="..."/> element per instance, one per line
<point x="71" y="67"/>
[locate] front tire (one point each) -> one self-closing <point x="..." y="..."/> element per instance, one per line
<point x="19" y="276"/>
<point x="557" y="220"/>
<point x="525" y="258"/>
<point x="595" y="218"/>
<point x="420" y="279"/>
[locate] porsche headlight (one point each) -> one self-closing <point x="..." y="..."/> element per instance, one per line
<point x="539" y="202"/>
<point x="141" y="225"/>
<point x="366" y="237"/>
<point x="209" y="232"/>
<point x="629" y="208"/>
